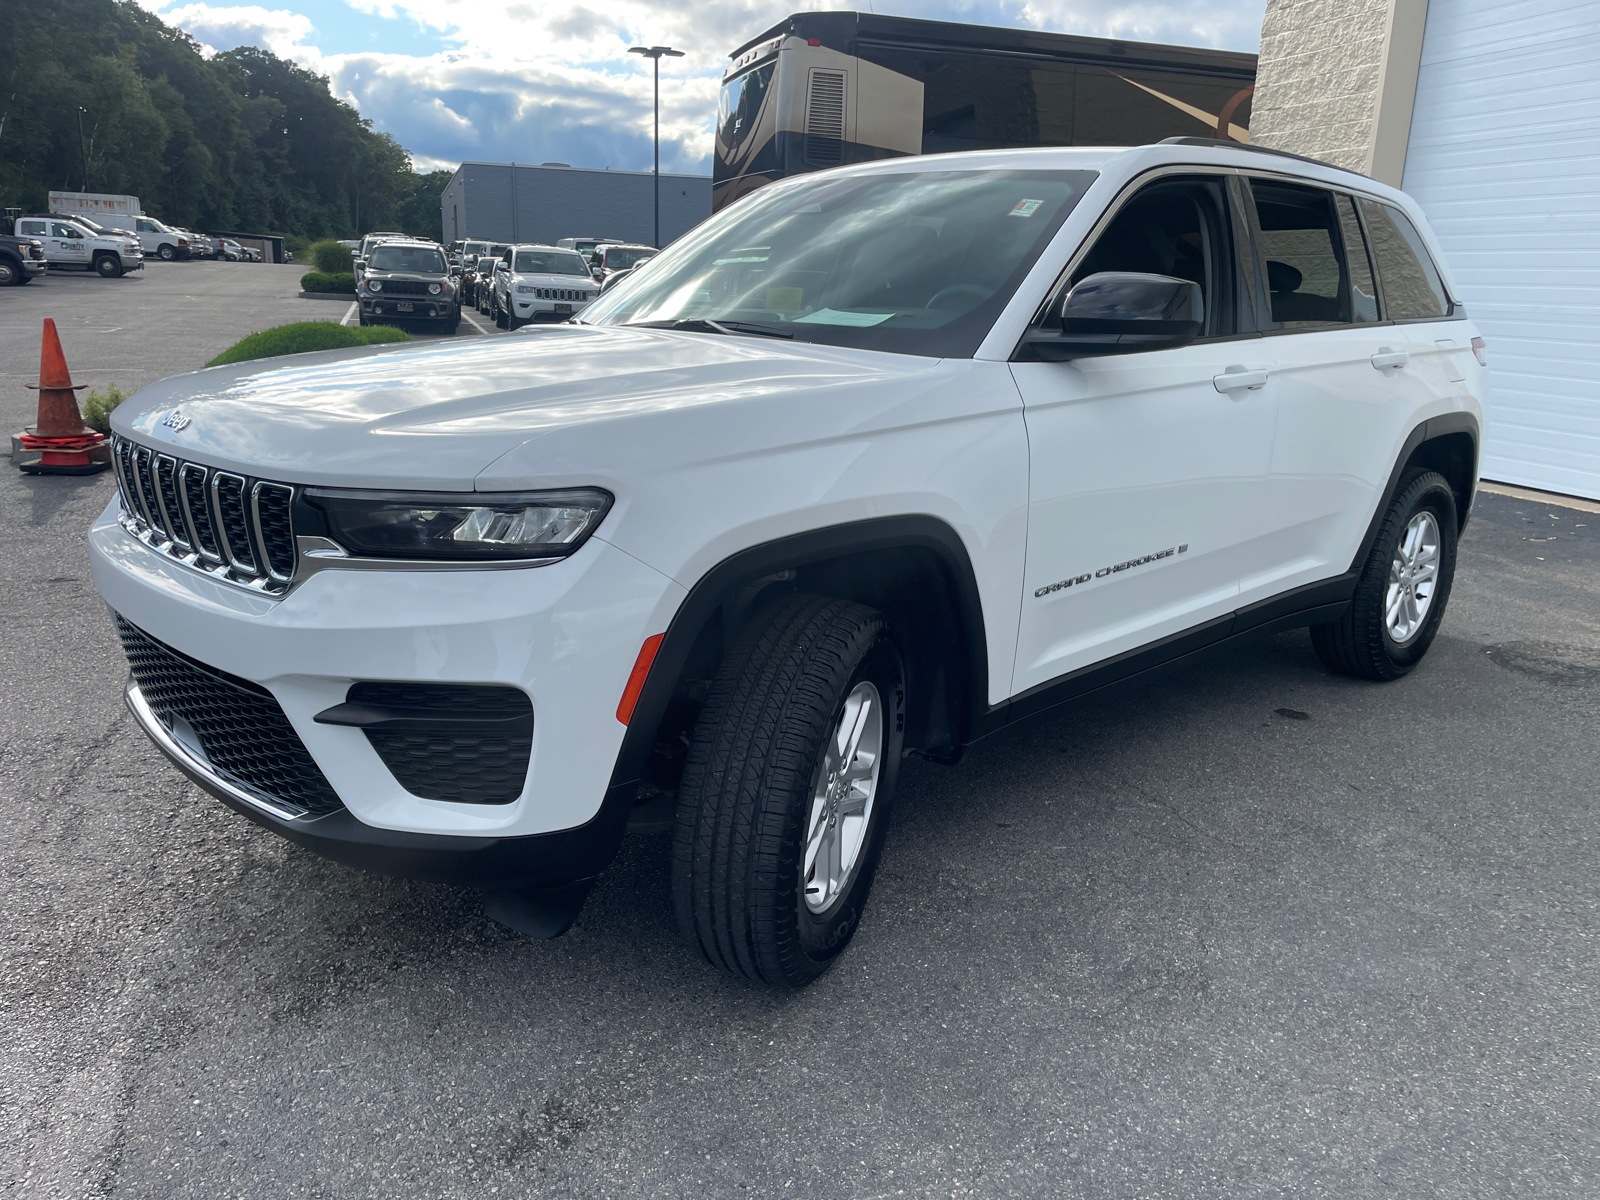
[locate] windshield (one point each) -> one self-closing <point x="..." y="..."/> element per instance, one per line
<point x="549" y="262"/>
<point x="475" y="249"/>
<point x="618" y="258"/>
<point x="424" y="260"/>
<point x="739" y="104"/>
<point x="486" y="264"/>
<point x="917" y="263"/>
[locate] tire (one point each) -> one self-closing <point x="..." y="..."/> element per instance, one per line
<point x="10" y="274"/>
<point x="455" y="323"/>
<point x="166" y="252"/>
<point x="502" y="319"/>
<point x="108" y="267"/>
<point x="1418" y="530"/>
<point x="756" y="779"/>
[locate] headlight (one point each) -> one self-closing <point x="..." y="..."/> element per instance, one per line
<point x="374" y="285"/>
<point x="472" y="526"/>
<point x="525" y="289"/>
<point x="434" y="289"/>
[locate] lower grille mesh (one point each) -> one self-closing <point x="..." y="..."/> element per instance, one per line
<point x="465" y="743"/>
<point x="240" y="726"/>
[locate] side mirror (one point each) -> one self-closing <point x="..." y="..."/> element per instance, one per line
<point x="359" y="262"/>
<point x="502" y="266"/>
<point x="1120" y="312"/>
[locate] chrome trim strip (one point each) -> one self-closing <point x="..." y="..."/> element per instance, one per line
<point x="188" y="512"/>
<point x="322" y="554"/>
<point x="138" y="485"/>
<point x="255" y="522"/>
<point x="177" y="531"/>
<point x="223" y="540"/>
<point x="190" y="762"/>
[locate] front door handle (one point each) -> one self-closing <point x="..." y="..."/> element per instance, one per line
<point x="1239" y="379"/>
<point x="1386" y="357"/>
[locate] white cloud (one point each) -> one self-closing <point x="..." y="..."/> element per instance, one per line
<point x="535" y="82"/>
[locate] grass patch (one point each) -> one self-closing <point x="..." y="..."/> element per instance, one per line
<point x="302" y="337"/>
<point x="321" y="281"/>
<point x="97" y="406"/>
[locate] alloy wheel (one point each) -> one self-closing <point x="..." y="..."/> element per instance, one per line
<point x="1413" y="577"/>
<point x="841" y="799"/>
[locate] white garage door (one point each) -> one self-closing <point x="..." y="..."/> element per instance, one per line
<point x="1505" y="159"/>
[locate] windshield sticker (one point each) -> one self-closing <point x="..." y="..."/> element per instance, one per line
<point x="1026" y="208"/>
<point x="855" y="320"/>
<point x="784" y="299"/>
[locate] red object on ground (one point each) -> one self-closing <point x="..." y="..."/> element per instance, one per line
<point x="59" y="434"/>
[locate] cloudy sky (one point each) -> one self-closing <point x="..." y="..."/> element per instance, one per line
<point x="532" y="81"/>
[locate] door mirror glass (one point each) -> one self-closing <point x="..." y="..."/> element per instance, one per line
<point x="1123" y="312"/>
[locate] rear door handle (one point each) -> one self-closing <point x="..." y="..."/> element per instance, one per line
<point x="1239" y="379"/>
<point x="1386" y="357"/>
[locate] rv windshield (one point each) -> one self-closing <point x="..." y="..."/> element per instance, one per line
<point x="912" y="262"/>
<point x="740" y="102"/>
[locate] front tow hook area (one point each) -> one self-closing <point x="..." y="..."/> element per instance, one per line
<point x="538" y="912"/>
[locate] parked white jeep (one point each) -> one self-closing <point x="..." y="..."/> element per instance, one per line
<point x="874" y="462"/>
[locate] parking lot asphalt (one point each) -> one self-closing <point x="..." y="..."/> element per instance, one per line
<point x="1250" y="930"/>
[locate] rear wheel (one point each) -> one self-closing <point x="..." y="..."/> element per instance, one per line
<point x="109" y="266"/>
<point x="784" y="802"/>
<point x="1401" y="595"/>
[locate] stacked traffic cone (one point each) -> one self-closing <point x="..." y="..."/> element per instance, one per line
<point x="62" y="439"/>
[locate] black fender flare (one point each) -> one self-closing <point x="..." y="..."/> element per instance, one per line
<point x="724" y="581"/>
<point x="1427" y="431"/>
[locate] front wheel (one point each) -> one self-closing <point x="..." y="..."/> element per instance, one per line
<point x="9" y="274"/>
<point x="785" y="796"/>
<point x="108" y="267"/>
<point x="502" y="319"/>
<point x="166" y="253"/>
<point x="1403" y="588"/>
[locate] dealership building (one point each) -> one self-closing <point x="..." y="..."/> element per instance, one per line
<point x="512" y="202"/>
<point x="1488" y="112"/>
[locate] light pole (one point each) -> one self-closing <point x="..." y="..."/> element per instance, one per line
<point x="82" y="151"/>
<point x="656" y="54"/>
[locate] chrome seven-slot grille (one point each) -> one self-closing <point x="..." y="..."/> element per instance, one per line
<point x="562" y="294"/>
<point x="230" y="526"/>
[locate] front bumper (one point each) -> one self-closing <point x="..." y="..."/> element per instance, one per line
<point x="423" y="308"/>
<point x="565" y="634"/>
<point x="34" y="267"/>
<point x="534" y="309"/>
<point x="131" y="263"/>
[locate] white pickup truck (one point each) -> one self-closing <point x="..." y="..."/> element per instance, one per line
<point x="80" y="242"/>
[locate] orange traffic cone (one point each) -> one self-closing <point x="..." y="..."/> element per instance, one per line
<point x="60" y="436"/>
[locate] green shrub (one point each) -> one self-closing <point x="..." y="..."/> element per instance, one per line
<point x="330" y="257"/>
<point x="97" y="406"/>
<point x="321" y="281"/>
<point x="304" y="336"/>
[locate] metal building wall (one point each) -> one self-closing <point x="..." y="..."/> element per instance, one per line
<point x="504" y="203"/>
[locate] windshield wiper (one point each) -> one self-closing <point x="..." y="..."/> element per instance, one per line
<point x="707" y="325"/>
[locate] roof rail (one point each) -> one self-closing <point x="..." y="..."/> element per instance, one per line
<point x="1229" y="144"/>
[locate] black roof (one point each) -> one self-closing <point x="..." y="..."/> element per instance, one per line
<point x="844" y="31"/>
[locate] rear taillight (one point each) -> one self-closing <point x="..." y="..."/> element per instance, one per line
<point x="1480" y="351"/>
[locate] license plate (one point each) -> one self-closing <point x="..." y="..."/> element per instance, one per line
<point x="403" y="306"/>
<point x="563" y="308"/>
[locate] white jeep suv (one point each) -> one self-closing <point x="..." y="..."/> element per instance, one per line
<point x="539" y="283"/>
<point x="875" y="461"/>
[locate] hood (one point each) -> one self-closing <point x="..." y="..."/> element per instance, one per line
<point x="433" y="416"/>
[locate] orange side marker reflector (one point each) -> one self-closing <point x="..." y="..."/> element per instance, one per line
<point x="641" y="671"/>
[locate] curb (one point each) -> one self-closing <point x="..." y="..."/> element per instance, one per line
<point x="347" y="297"/>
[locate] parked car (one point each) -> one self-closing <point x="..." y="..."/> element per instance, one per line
<point x="483" y="289"/>
<point x="879" y="461"/>
<point x="77" y="242"/>
<point x="587" y="246"/>
<point x="539" y="283"/>
<point x="408" y="279"/>
<point x="359" y="258"/>
<point x="231" y="250"/>
<point x="154" y="237"/>
<point x="21" y="260"/>
<point x="619" y="256"/>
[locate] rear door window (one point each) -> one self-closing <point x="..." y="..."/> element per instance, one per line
<point x="1300" y="241"/>
<point x="1412" y="287"/>
<point x="1363" y="291"/>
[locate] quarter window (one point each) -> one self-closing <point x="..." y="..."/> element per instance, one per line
<point x="1412" y="288"/>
